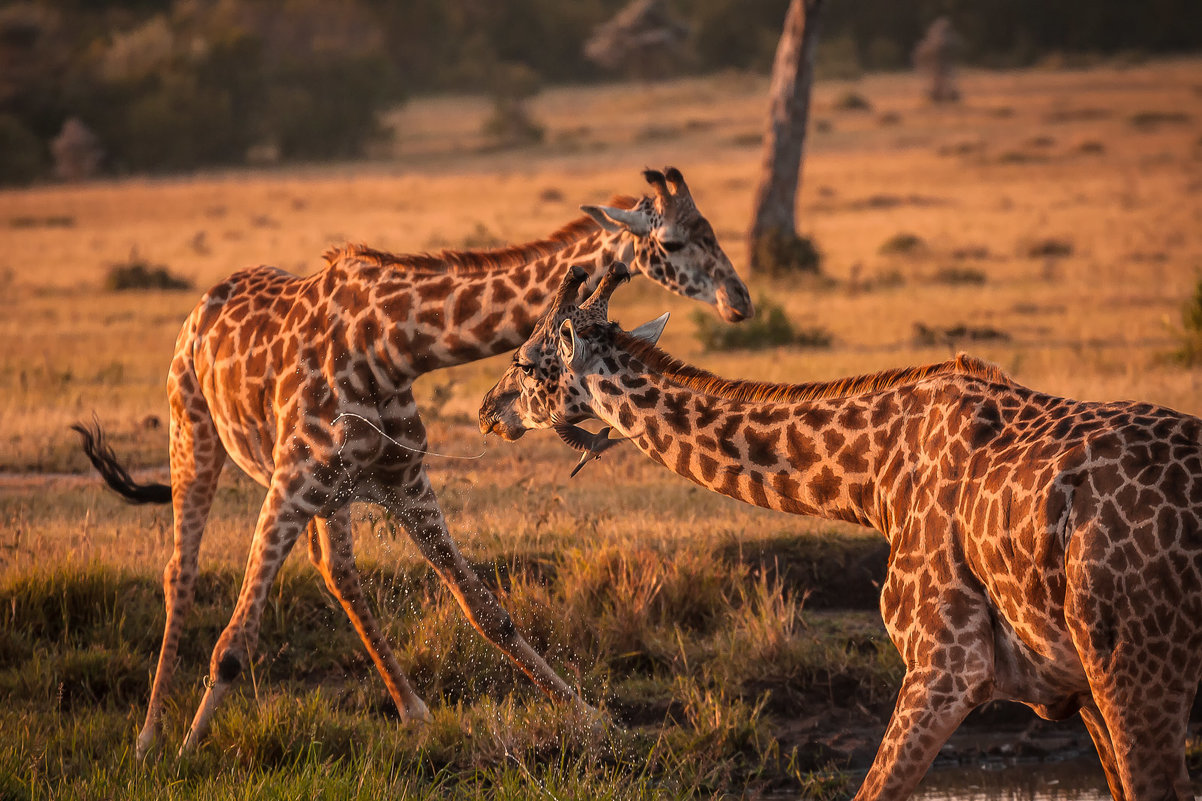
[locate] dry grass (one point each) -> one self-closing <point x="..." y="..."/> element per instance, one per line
<point x="1092" y="323"/>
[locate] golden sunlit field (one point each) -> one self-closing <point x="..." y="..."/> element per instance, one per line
<point x="1051" y="223"/>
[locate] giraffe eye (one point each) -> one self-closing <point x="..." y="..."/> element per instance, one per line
<point x="527" y="369"/>
<point x="673" y="246"/>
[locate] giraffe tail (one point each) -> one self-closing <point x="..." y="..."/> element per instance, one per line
<point x="113" y="472"/>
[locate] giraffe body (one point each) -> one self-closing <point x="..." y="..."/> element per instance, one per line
<point x="1043" y="550"/>
<point x="306" y="385"/>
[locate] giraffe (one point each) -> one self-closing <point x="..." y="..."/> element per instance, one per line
<point x="1042" y="550"/>
<point x="306" y="384"/>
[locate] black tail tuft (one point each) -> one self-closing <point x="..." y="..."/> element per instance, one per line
<point x="116" y="476"/>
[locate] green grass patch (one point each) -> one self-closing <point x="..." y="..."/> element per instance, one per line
<point x="770" y="328"/>
<point x="699" y="653"/>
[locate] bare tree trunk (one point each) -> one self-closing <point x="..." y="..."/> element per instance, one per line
<point x="772" y="241"/>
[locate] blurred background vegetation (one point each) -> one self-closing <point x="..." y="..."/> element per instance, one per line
<point x="141" y="86"/>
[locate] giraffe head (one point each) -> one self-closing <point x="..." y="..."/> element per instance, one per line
<point x="674" y="245"/>
<point x="544" y="385"/>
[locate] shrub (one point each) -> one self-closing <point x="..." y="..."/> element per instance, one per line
<point x="958" y="275"/>
<point x="903" y="243"/>
<point x="779" y="253"/>
<point x="138" y="273"/>
<point x="852" y="101"/>
<point x="1047" y="248"/>
<point x="1190" y="350"/>
<point x="1154" y="119"/>
<point x="936" y="335"/>
<point x="770" y="328"/>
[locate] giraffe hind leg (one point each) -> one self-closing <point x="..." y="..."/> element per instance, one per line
<point x="331" y="550"/>
<point x="281" y="521"/>
<point x="197" y="457"/>
<point x="1147" y="723"/>
<point x="1143" y="661"/>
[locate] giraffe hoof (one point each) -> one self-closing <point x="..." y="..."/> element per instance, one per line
<point x="147" y="744"/>
<point x="593" y="720"/>
<point x="416" y="713"/>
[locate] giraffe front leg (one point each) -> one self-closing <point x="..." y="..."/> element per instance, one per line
<point x="423" y="519"/>
<point x="944" y="632"/>
<point x="930" y="706"/>
<point x="280" y="522"/>
<point x="331" y="549"/>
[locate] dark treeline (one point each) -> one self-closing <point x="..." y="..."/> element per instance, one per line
<point x="197" y="82"/>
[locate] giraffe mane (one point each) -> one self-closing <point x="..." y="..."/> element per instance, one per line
<point x="466" y="262"/>
<point x="695" y="378"/>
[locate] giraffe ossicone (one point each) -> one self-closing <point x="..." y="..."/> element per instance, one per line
<point x="1043" y="550"/>
<point x="306" y="384"/>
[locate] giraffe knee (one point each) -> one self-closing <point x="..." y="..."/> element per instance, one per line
<point x="228" y="667"/>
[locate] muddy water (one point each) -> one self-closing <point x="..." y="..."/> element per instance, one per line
<point x="1078" y="779"/>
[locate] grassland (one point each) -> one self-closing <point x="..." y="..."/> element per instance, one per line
<point x="736" y="648"/>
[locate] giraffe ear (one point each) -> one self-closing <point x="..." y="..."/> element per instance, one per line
<point x="651" y="331"/>
<point x="572" y="349"/>
<point x="614" y="219"/>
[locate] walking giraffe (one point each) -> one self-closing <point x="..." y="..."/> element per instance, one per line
<point x="306" y="383"/>
<point x="1042" y="550"/>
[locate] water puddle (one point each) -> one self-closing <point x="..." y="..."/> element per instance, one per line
<point x="1077" y="779"/>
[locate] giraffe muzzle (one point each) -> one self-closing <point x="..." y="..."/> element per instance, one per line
<point x="491" y="421"/>
<point x="503" y="430"/>
<point x="734" y="302"/>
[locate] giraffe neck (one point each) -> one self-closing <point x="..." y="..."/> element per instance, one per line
<point x="815" y="458"/>
<point x="435" y="319"/>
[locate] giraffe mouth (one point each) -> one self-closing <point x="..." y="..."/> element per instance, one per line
<point x="502" y="430"/>
<point x="734" y="302"/>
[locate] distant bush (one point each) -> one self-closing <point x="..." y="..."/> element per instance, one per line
<point x="1154" y="119"/>
<point x="1021" y="157"/>
<point x="902" y="244"/>
<point x="138" y="273"/>
<point x="1047" y="248"/>
<point x="939" y="335"/>
<point x="1190" y="350"/>
<point x="852" y="101"/>
<point x="970" y="252"/>
<point x="770" y="328"/>
<point x="481" y="238"/>
<point x="958" y="275"/>
<point x="782" y="253"/>
<point x="49" y="221"/>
